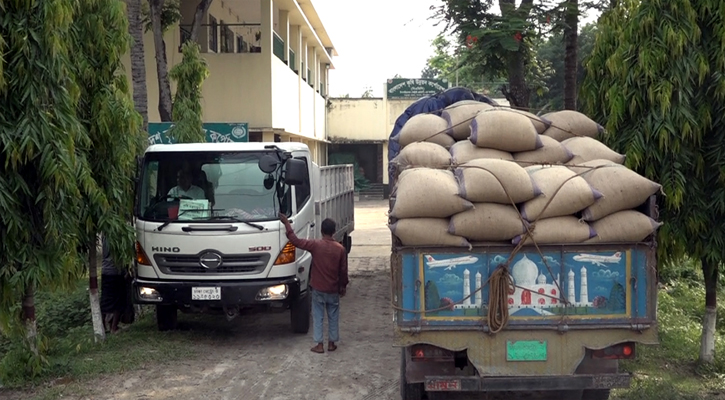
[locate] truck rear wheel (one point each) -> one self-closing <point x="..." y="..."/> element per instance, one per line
<point x="300" y="314"/>
<point x="596" y="394"/>
<point x="166" y="317"/>
<point x="409" y="391"/>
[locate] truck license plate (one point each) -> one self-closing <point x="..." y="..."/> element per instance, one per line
<point x="526" y="350"/>
<point x="442" y="385"/>
<point x="206" y="293"/>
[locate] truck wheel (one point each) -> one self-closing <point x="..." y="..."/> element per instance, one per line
<point x="300" y="314"/>
<point x="409" y="391"/>
<point x="347" y="243"/>
<point x="166" y="317"/>
<point x="596" y="394"/>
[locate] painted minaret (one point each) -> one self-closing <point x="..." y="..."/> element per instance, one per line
<point x="584" y="292"/>
<point x="466" y="287"/>
<point x="571" y="295"/>
<point x="479" y="296"/>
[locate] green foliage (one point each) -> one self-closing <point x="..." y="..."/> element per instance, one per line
<point x="189" y="75"/>
<point x="170" y="15"/>
<point x="62" y="310"/>
<point x="657" y="78"/>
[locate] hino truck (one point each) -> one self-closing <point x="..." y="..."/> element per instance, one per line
<point x="208" y="234"/>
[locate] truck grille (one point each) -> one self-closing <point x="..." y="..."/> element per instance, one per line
<point x="231" y="264"/>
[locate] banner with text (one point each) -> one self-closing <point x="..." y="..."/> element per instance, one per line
<point x="215" y="132"/>
<point x="401" y="88"/>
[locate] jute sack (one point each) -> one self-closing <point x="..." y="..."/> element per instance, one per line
<point x="465" y="151"/>
<point x="423" y="154"/>
<point x="540" y="123"/>
<point x="585" y="167"/>
<point x="425" y="127"/>
<point x="624" y="226"/>
<point x="488" y="222"/>
<point x="565" y="124"/>
<point x="426" y="232"/>
<point x="459" y="116"/>
<point x="552" y="152"/>
<point x="575" y="194"/>
<point x="565" y="229"/>
<point x="622" y="189"/>
<point x="588" y="149"/>
<point x="484" y="180"/>
<point x="504" y="130"/>
<point x="427" y="193"/>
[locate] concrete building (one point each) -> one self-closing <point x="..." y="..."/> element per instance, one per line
<point x="268" y="62"/>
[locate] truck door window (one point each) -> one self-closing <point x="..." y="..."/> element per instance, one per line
<point x="302" y="192"/>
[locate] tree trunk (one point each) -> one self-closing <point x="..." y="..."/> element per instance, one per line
<point x="571" y="27"/>
<point x="162" y="69"/>
<point x="201" y="10"/>
<point x="707" y="344"/>
<point x="517" y="93"/>
<point x="99" y="331"/>
<point x="31" y="327"/>
<point x="138" y="63"/>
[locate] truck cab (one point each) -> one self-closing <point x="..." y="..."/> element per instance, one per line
<point x="208" y="234"/>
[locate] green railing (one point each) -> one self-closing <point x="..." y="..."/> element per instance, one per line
<point x="278" y="46"/>
<point x="292" y="59"/>
<point x="322" y="89"/>
<point x="309" y="76"/>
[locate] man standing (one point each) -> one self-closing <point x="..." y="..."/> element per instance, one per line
<point x="328" y="279"/>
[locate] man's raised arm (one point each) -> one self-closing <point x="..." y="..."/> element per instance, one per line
<point x="303" y="244"/>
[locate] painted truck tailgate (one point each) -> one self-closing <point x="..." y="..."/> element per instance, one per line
<point x="559" y="287"/>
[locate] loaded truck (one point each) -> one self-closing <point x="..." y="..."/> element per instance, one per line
<point x="208" y="234"/>
<point x="558" y="329"/>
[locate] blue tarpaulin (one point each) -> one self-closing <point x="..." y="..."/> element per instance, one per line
<point x="429" y="104"/>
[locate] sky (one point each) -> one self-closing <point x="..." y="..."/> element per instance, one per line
<point x="377" y="39"/>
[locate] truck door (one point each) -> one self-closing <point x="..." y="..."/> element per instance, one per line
<point x="304" y="221"/>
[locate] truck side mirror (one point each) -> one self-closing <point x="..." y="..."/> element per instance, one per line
<point x="295" y="172"/>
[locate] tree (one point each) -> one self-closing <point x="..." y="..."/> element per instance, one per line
<point x="657" y="77"/>
<point x="40" y="179"/>
<point x="189" y="76"/>
<point x="444" y="64"/>
<point x="368" y="93"/>
<point x="105" y="109"/>
<point x="138" y="61"/>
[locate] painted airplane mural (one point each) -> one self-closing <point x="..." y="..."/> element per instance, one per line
<point x="450" y="263"/>
<point x="599" y="260"/>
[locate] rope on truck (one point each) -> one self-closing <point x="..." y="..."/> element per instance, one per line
<point x="500" y="281"/>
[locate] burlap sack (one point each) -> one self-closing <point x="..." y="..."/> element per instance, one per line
<point x="427" y="193"/>
<point x="552" y="152"/>
<point x="484" y="180"/>
<point x="423" y="154"/>
<point x="426" y="232"/>
<point x="622" y="189"/>
<point x="504" y="130"/>
<point x="459" y="116"/>
<point x="588" y="149"/>
<point x="585" y="167"/>
<point x="540" y="123"/>
<point x="559" y="230"/>
<point x="568" y="123"/>
<point x="488" y="222"/>
<point x="465" y="151"/>
<point x="568" y="193"/>
<point x="425" y="127"/>
<point x="627" y="226"/>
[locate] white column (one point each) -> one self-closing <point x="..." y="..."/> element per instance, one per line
<point x="479" y="296"/>
<point x="571" y="295"/>
<point x="466" y="287"/>
<point x="584" y="292"/>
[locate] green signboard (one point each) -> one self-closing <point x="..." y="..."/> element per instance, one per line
<point x="215" y="132"/>
<point x="401" y="88"/>
<point x="526" y="350"/>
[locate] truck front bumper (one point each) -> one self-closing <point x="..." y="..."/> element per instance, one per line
<point x="525" y="383"/>
<point x="233" y="293"/>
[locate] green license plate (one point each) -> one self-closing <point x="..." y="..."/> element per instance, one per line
<point x="526" y="350"/>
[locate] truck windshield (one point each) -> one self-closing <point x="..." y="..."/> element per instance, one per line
<point x="204" y="186"/>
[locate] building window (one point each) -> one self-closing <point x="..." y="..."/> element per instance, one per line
<point x="213" y="34"/>
<point x="227" y="36"/>
<point x="185" y="35"/>
<point x="242" y="46"/>
<point x="278" y="46"/>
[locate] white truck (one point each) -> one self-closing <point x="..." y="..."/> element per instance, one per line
<point x="208" y="235"/>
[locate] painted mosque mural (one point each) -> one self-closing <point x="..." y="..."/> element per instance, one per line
<point x="590" y="283"/>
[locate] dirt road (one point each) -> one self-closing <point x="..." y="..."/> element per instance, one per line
<point x="260" y="359"/>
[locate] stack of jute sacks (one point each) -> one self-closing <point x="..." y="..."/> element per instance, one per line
<point x="482" y="173"/>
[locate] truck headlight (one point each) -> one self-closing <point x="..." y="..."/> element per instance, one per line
<point x="151" y="294"/>
<point x="278" y="292"/>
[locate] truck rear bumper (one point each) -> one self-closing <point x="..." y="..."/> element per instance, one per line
<point x="525" y="383"/>
<point x="233" y="293"/>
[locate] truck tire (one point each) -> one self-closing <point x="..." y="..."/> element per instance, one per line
<point x="409" y="391"/>
<point x="300" y="314"/>
<point x="166" y="317"/>
<point x="347" y="243"/>
<point x="596" y="394"/>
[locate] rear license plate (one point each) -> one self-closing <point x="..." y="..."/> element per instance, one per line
<point x="526" y="350"/>
<point x="442" y="385"/>
<point x="206" y="293"/>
